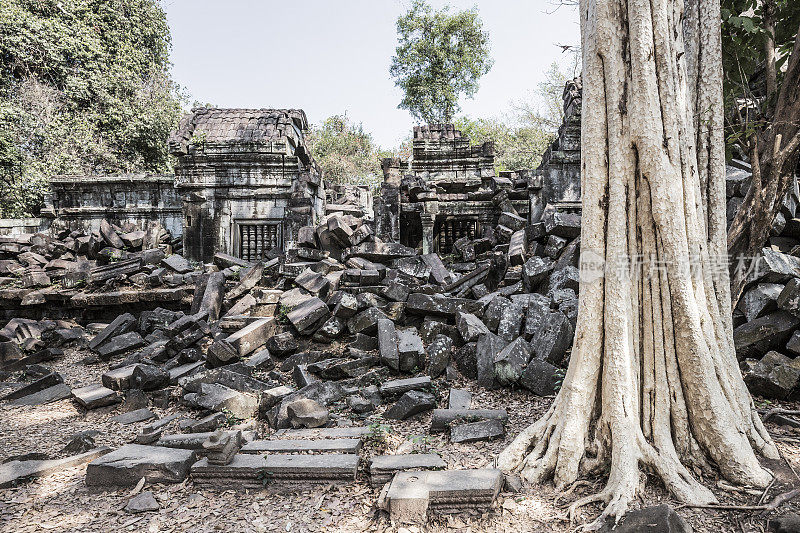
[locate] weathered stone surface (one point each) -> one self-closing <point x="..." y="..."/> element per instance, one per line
<point x="759" y="300"/>
<point x="439" y="352"/>
<point x="659" y="519"/>
<point x="387" y="344"/>
<point x="467" y="360"/>
<point x="51" y="379"/>
<point x="553" y="340"/>
<point x="470" y="326"/>
<point x="757" y="337"/>
<point x="219" y="397"/>
<point x="366" y="322"/>
<point x="487" y="349"/>
<point x="775" y="376"/>
<point x="132" y="417"/>
<point x="511" y="319"/>
<point x="535" y="271"/>
<point x="541" y="377"/>
<point x="410" y="350"/>
<point x="459" y="399"/>
<point x="538" y="311"/>
<point x="313" y="282"/>
<point x="308" y="315"/>
<point x="476" y="431"/>
<point x="13" y="473"/>
<point x="443" y="418"/>
<point x="306" y="413"/>
<point x="383" y="467"/>
<point x="121" y="344"/>
<point x="213" y="295"/>
<point x="400" y="386"/>
<point x="510" y="363"/>
<point x="561" y="224"/>
<point x="411" y="403"/>
<point x="44" y="396"/>
<point x="350" y="446"/>
<point x="413" y="495"/>
<point x="438" y="304"/>
<point x="127" y="465"/>
<point x="789" y="298"/>
<point x="142" y="503"/>
<point x="177" y="263"/>
<point x="118" y="326"/>
<point x="119" y="378"/>
<point x="253" y="336"/>
<point x="94" y="396"/>
<point x="149" y="377"/>
<point x="282" y="344"/>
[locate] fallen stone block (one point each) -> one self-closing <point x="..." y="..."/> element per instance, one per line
<point x="132" y="417"/>
<point x="470" y="326"/>
<point x="443" y="418"/>
<point x="253" y="336"/>
<point x="14" y="473"/>
<point x="440" y="305"/>
<point x="306" y="413"/>
<point x="541" y="377"/>
<point x="757" y="337"/>
<point x="45" y="396"/>
<point x="477" y="431"/>
<point x="177" y="263"/>
<point x="366" y="322"/>
<point x="117" y="327"/>
<point x="410" y="350"/>
<point x="658" y="519"/>
<point x="459" y="399"/>
<point x="127" y="465"/>
<point x="383" y="467"/>
<point x="94" y="396"/>
<point x="352" y="432"/>
<point x="282" y="344"/>
<point x="510" y="363"/>
<point x="121" y="344"/>
<point x="411" y="403"/>
<point x="553" y="339"/>
<point x="387" y="344"/>
<point x="252" y="471"/>
<point x="307" y="316"/>
<point x="49" y="380"/>
<point x="439" y="353"/>
<point x="142" y="503"/>
<point x="400" y="386"/>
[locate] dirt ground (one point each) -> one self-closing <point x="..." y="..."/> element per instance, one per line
<point x="61" y="502"/>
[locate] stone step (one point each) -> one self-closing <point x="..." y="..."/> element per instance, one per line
<point x="411" y="496"/>
<point x="323" y="433"/>
<point x="303" y="445"/>
<point x="254" y="471"/>
<point x="383" y="467"/>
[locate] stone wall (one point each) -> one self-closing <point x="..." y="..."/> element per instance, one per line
<point x="82" y="202"/>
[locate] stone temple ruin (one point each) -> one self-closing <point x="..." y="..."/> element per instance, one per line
<point x="250" y="291"/>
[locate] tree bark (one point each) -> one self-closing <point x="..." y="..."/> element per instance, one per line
<point x="653" y="383"/>
<point x="774" y="158"/>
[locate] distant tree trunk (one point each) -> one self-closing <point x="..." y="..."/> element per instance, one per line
<point x="774" y="154"/>
<point x="653" y="381"/>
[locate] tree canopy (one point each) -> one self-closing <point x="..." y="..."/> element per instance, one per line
<point x="84" y="87"/>
<point x="344" y="151"/>
<point x="440" y="56"/>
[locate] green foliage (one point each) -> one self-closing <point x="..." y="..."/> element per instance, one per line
<point x="345" y="152"/>
<point x="516" y="146"/>
<point x="743" y="57"/>
<point x="440" y="56"/>
<point x="84" y="87"/>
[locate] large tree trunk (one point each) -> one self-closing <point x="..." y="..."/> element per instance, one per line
<point x="653" y="381"/>
<point x="774" y="157"/>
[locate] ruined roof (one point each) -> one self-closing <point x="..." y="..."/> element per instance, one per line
<point x="235" y="126"/>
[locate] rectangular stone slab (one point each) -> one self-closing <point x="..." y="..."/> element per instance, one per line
<point x="252" y="336"/>
<point x="50" y="394"/>
<point x="476" y="431"/>
<point x="127" y="465"/>
<point x="15" y="472"/>
<point x="94" y="396"/>
<point x="324" y="433"/>
<point x="325" y="467"/>
<point x="245" y="471"/>
<point x="442" y="418"/>
<point x="383" y="467"/>
<point x="301" y="445"/>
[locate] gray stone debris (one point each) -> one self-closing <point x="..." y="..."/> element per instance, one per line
<point x="127" y="465"/>
<point x="132" y="417"/>
<point x="306" y="413"/>
<point x="459" y="399"/>
<point x="348" y="446"/>
<point x="476" y="431"/>
<point x="142" y="503"/>
<point x="94" y="396"/>
<point x="15" y="472"/>
<point x="411" y="403"/>
<point x="443" y="418"/>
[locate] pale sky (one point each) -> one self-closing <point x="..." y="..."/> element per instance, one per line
<point x="332" y="56"/>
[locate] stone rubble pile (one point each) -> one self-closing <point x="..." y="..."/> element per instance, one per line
<point x="72" y="269"/>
